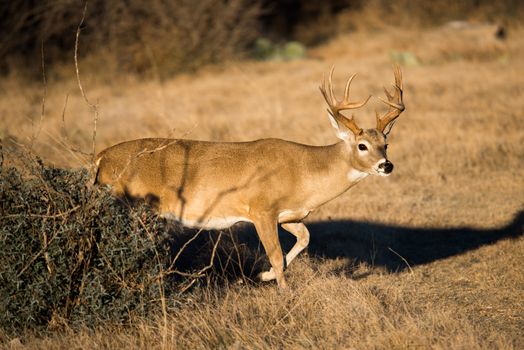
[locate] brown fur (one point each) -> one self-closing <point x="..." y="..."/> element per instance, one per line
<point x="266" y="181"/>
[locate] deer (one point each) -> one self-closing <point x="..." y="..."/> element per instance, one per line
<point x="265" y="182"/>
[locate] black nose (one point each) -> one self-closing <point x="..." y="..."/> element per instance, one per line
<point x="387" y="166"/>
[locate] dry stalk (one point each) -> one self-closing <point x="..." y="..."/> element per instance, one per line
<point x="1" y="154"/>
<point x="29" y="157"/>
<point x="115" y="273"/>
<point x="37" y="255"/>
<point x="404" y="260"/>
<point x="230" y="258"/>
<point x="188" y="242"/>
<point x="67" y="144"/>
<point x="46" y="216"/>
<point x="93" y="107"/>
<point x="200" y="273"/>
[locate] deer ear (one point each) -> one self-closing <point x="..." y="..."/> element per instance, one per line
<point x="342" y="131"/>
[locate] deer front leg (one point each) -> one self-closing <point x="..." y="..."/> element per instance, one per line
<point x="268" y="234"/>
<point x="298" y="230"/>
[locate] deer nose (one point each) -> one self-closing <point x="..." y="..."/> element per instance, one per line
<point x="387" y="166"/>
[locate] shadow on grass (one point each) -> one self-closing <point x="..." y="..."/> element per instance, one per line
<point x="240" y="254"/>
<point x="386" y="245"/>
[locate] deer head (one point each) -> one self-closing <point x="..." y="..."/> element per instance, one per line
<point x="367" y="147"/>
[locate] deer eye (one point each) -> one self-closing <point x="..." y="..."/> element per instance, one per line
<point x="362" y="147"/>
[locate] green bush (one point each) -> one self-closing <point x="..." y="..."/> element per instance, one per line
<point x="265" y="49"/>
<point x="72" y="254"/>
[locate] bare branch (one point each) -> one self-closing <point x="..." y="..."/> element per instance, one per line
<point x="92" y="106"/>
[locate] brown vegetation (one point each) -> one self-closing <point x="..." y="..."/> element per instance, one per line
<point x="126" y="36"/>
<point x="430" y="257"/>
<point x="158" y="39"/>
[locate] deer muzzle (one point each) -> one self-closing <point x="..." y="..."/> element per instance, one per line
<point x="385" y="168"/>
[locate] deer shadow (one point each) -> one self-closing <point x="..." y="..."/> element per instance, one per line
<point x="395" y="248"/>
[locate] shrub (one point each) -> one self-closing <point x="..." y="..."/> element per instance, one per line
<point x="71" y="254"/>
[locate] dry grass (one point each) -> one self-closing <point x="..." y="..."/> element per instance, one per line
<point x="447" y="209"/>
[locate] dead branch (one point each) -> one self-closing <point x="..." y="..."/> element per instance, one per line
<point x="93" y="107"/>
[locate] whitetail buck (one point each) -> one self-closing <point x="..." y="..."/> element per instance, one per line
<point x="267" y="182"/>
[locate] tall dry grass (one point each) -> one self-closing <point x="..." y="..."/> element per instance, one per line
<point x="457" y="150"/>
<point x="330" y="309"/>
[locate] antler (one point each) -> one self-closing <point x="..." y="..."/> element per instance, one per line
<point x="395" y="103"/>
<point x="335" y="106"/>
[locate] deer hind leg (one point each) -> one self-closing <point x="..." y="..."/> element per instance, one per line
<point x="300" y="231"/>
<point x="268" y="234"/>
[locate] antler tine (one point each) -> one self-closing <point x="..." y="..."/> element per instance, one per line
<point x="348" y="84"/>
<point x="390" y="97"/>
<point x="335" y="106"/>
<point x="325" y="91"/>
<point x="331" y="93"/>
<point x="398" y="76"/>
<point x="395" y="102"/>
<point x="351" y="105"/>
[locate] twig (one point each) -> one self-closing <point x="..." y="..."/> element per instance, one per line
<point x="181" y="250"/>
<point x="63" y="143"/>
<point x="41" y="215"/>
<point x="42" y="250"/>
<point x="239" y="259"/>
<point x="63" y="113"/>
<point x="110" y="267"/>
<point x="1" y="154"/>
<point x="46" y="243"/>
<point x="68" y="144"/>
<point x="205" y="268"/>
<point x="92" y="106"/>
<point x="215" y="246"/>
<point x="401" y="257"/>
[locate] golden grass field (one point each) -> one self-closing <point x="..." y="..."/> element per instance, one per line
<point x="430" y="257"/>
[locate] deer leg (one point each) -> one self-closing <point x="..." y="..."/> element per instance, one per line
<point x="268" y="234"/>
<point x="298" y="230"/>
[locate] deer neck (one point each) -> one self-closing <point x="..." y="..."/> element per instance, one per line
<point x="338" y="173"/>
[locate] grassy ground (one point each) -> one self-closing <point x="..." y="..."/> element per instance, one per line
<point x="428" y="257"/>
